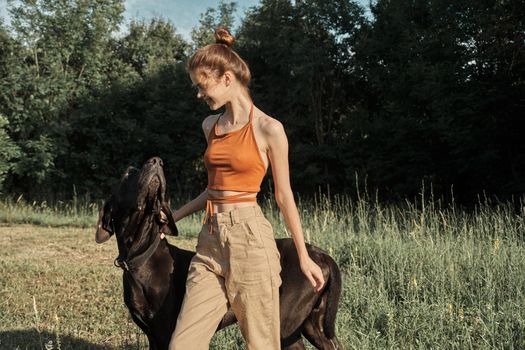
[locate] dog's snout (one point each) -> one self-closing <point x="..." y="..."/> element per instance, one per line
<point x="156" y="161"/>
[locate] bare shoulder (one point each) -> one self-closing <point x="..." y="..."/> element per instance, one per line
<point x="208" y="123"/>
<point x="210" y="120"/>
<point x="270" y="127"/>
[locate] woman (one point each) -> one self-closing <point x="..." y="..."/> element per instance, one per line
<point x="237" y="261"/>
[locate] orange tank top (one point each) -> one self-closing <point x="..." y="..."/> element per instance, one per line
<point x="233" y="160"/>
<point x="233" y="163"/>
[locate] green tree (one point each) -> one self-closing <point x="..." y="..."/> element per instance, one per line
<point x="9" y="151"/>
<point x="61" y="54"/>
<point x="222" y="16"/>
<point x="6" y="44"/>
<point x="439" y="98"/>
<point x="147" y="47"/>
<point x="153" y="112"/>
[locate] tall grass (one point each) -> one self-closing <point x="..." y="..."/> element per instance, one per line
<point x="426" y="276"/>
<point x="74" y="213"/>
<point x="418" y="275"/>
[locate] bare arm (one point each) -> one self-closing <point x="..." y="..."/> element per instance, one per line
<point x="198" y="202"/>
<point x="191" y="207"/>
<point x="278" y="155"/>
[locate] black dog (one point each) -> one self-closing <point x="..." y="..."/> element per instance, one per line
<point x="155" y="271"/>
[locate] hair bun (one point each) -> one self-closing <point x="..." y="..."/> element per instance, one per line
<point x="223" y="36"/>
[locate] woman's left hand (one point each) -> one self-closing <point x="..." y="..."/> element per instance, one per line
<point x="313" y="272"/>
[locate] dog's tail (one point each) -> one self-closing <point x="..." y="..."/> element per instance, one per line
<point x="332" y="292"/>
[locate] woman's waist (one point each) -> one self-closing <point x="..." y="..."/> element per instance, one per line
<point x="224" y="201"/>
<point x="236" y="213"/>
<point x="231" y="197"/>
<point x="220" y="207"/>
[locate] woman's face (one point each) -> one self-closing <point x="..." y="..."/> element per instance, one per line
<point x="213" y="91"/>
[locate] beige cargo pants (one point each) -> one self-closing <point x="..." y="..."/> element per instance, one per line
<point x="236" y="265"/>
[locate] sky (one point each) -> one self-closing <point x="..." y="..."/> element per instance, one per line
<point x="184" y="14"/>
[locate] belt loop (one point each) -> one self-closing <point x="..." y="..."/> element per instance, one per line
<point x="233" y="217"/>
<point x="208" y="216"/>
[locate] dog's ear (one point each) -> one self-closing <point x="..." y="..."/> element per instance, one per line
<point x="168" y="226"/>
<point x="104" y="229"/>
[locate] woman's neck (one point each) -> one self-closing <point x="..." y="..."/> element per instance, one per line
<point x="238" y="110"/>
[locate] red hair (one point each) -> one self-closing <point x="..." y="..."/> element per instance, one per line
<point x="216" y="59"/>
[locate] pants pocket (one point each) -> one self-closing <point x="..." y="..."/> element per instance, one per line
<point x="267" y="240"/>
<point x="253" y="233"/>
<point x="202" y="239"/>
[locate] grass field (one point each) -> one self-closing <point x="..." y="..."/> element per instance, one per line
<point x="415" y="277"/>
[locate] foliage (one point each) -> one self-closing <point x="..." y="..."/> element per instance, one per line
<point x="8" y="151"/>
<point x="440" y="96"/>
<point x="149" y="47"/>
<point x="417" y="91"/>
<point x="126" y="125"/>
<point x="60" y="54"/>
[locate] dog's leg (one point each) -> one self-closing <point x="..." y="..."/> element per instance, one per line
<point x="298" y="345"/>
<point x="313" y="326"/>
<point x="314" y="332"/>
<point x="318" y="339"/>
<point x="319" y="326"/>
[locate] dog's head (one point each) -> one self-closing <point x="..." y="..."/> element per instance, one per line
<point x="136" y="204"/>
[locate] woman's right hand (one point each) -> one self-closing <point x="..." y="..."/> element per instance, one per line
<point x="198" y="203"/>
<point x="164" y="220"/>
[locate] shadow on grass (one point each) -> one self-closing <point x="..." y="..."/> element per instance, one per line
<point x="31" y="339"/>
